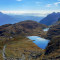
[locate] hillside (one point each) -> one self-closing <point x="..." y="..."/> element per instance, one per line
<point x="50" y="19"/>
<point x="14" y="36"/>
<point x="23" y="28"/>
<point x="17" y="45"/>
<point x="53" y="48"/>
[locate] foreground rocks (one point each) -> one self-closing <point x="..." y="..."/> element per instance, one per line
<point x="33" y="55"/>
<point x="53" y="48"/>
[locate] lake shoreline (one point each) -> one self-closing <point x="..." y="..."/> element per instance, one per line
<point x="39" y="41"/>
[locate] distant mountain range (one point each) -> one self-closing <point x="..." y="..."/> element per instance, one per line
<point x="11" y="19"/>
<point x="50" y="19"/>
<point x="6" y="19"/>
<point x="23" y="18"/>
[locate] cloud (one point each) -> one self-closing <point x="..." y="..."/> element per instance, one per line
<point x="58" y="0"/>
<point x="54" y="4"/>
<point x="13" y="12"/>
<point x="18" y="0"/>
<point x="57" y="3"/>
<point x="48" y="5"/>
<point x="31" y="12"/>
<point x="38" y="3"/>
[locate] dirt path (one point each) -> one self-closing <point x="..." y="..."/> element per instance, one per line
<point x="4" y="56"/>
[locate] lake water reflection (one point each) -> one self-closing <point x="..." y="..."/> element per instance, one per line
<point x="40" y="42"/>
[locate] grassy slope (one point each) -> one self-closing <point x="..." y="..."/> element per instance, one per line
<point x="25" y="28"/>
<point x="23" y="46"/>
<point x="1" y="58"/>
<point x="18" y="46"/>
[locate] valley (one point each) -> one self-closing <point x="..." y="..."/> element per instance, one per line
<point x="29" y="29"/>
<point x="14" y="44"/>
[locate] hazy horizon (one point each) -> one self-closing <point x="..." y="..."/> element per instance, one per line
<point x="29" y="7"/>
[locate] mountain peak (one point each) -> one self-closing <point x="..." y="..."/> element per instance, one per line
<point x="51" y="18"/>
<point x="59" y="19"/>
<point x="1" y="13"/>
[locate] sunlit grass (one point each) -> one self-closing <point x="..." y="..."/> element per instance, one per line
<point x="1" y="57"/>
<point x="17" y="48"/>
<point x="19" y="45"/>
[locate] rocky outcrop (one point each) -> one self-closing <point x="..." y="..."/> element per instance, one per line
<point x="23" y="28"/>
<point x="53" y="48"/>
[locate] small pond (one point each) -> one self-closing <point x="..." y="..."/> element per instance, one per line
<point x="46" y="29"/>
<point x="40" y="42"/>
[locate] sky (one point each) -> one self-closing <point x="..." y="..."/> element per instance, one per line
<point x="32" y="7"/>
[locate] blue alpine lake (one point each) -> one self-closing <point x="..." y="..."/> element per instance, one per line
<point x="46" y="29"/>
<point x="40" y="42"/>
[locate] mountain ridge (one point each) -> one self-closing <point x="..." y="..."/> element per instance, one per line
<point x="28" y="27"/>
<point x="11" y="19"/>
<point x="53" y="48"/>
<point x="50" y="19"/>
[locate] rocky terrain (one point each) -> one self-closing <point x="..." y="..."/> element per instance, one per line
<point x="18" y="47"/>
<point x="22" y="28"/>
<point x="15" y="45"/>
<point x="53" y="48"/>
